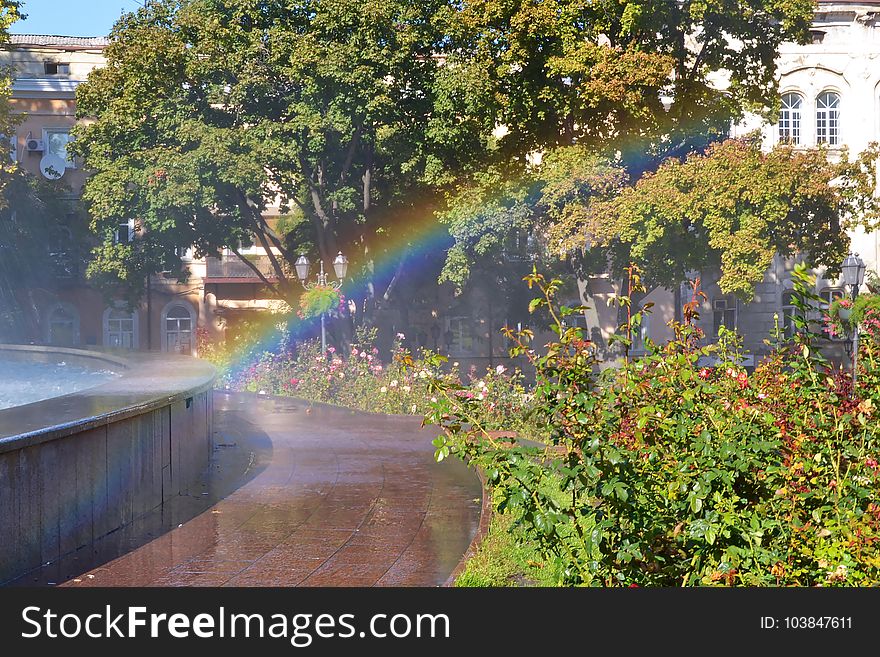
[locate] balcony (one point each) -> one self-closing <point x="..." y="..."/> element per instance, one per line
<point x="233" y="270"/>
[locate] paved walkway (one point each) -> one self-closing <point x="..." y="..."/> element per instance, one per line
<point x="298" y="496"/>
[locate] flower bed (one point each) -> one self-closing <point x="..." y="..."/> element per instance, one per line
<point x="668" y="472"/>
<point x="358" y="379"/>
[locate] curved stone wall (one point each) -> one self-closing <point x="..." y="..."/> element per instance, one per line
<point x="77" y="467"/>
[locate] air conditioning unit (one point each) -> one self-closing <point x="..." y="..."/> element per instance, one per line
<point x="35" y="144"/>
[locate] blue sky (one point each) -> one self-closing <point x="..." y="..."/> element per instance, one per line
<point x="71" y="17"/>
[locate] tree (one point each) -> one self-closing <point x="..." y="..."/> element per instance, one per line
<point x="630" y="82"/>
<point x="207" y="110"/>
<point x="639" y="77"/>
<point x="732" y="208"/>
<point x="486" y="215"/>
<point x="29" y="208"/>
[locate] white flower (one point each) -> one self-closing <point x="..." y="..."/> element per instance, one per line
<point x="401" y="336"/>
<point x="383" y="389"/>
<point x="405" y="388"/>
<point x="433" y="400"/>
<point x="342" y="375"/>
<point x="455" y="364"/>
<point x="262" y="392"/>
<point x="363" y="354"/>
<point x="423" y="374"/>
<point x="413" y="409"/>
<point x="500" y="369"/>
<point x="480" y="396"/>
<point x="394" y="383"/>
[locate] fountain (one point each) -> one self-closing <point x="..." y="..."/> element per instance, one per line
<point x="89" y="442"/>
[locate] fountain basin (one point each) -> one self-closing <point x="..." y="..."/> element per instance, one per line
<point x="76" y="467"/>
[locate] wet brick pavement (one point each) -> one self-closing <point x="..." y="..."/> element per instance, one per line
<point x="297" y="496"/>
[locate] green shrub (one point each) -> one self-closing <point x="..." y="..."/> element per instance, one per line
<point x="681" y="468"/>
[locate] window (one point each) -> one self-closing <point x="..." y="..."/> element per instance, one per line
<point x="790" y="119"/>
<point x="830" y="295"/>
<point x="120" y="328"/>
<point x="459" y="337"/>
<point x="63" y="325"/>
<point x="828" y="119"/>
<point x="56" y="68"/>
<point x="724" y="314"/>
<point x="640" y="333"/>
<point x="124" y="232"/>
<point x="177" y="329"/>
<point x="62" y="253"/>
<point x="56" y="141"/>
<point x="789" y="312"/>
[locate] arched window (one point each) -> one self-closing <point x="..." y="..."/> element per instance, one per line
<point x="178" y="328"/>
<point x="828" y="119"/>
<point x="790" y="118"/>
<point x="62" y="325"/>
<point x="120" y="329"/>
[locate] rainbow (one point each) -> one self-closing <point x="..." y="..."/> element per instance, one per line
<point x="418" y="236"/>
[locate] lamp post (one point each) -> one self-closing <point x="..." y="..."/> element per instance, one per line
<point x="340" y="267"/>
<point x="853" y="271"/>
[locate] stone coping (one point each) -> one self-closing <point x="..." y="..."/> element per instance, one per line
<point x="148" y="381"/>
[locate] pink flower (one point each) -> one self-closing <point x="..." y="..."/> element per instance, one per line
<point x="331" y="350"/>
<point x="705" y="373"/>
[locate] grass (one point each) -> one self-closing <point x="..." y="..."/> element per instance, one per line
<point x="506" y="557"/>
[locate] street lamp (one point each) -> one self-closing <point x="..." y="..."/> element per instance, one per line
<point x="853" y="271"/>
<point x="340" y="266"/>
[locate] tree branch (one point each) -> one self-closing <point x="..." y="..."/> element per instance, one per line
<point x="397" y="275"/>
<point x="259" y="274"/>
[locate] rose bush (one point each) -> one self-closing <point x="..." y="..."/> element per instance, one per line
<point x="358" y="379"/>
<point x="682" y="468"/>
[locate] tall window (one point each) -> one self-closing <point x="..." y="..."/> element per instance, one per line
<point x="124" y="233"/>
<point x="789" y="312"/>
<point x="828" y="119"/>
<point x="120" y="329"/>
<point x="830" y="295"/>
<point x="63" y="325"/>
<point x="640" y="333"/>
<point x="724" y="314"/>
<point x="178" y="330"/>
<point x="790" y="119"/>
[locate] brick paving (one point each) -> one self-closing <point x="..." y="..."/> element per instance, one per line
<point x="298" y="496"/>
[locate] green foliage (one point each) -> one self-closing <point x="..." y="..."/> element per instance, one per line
<point x="863" y="312"/>
<point x="359" y="380"/>
<point x="783" y="202"/>
<point x="209" y="109"/>
<point x="506" y="557"/>
<point x="318" y="300"/>
<point x="561" y="72"/>
<point x="681" y="468"/>
<point x="483" y="214"/>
